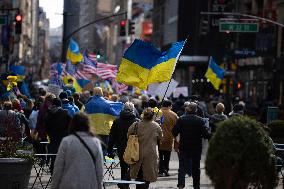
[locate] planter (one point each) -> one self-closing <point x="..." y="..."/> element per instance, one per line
<point x="14" y="173"/>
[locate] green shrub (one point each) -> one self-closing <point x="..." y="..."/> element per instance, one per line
<point x="277" y="131"/>
<point x="240" y="154"/>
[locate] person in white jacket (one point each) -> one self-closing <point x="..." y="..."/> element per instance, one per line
<point x="74" y="165"/>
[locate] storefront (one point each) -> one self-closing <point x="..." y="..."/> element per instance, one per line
<point x="256" y="78"/>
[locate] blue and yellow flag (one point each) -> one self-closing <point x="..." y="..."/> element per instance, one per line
<point x="73" y="53"/>
<point x="143" y="64"/>
<point x="215" y="74"/>
<point x="102" y="113"/>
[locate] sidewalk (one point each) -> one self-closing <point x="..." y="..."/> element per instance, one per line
<point x="162" y="183"/>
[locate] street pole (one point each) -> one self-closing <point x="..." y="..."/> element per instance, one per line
<point x="66" y="38"/>
<point x="129" y="17"/>
<point x="63" y="51"/>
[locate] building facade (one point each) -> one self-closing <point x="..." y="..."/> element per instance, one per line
<point x="251" y="57"/>
<point x="26" y="48"/>
<point x="103" y="36"/>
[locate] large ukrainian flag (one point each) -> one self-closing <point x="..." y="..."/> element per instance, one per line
<point x="73" y="53"/>
<point x="102" y="113"/>
<point x="143" y="64"/>
<point x="215" y="74"/>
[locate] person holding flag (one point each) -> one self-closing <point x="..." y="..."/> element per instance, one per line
<point x="69" y="86"/>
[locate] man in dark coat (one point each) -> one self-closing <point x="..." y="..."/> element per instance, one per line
<point x="191" y="129"/>
<point x="118" y="138"/>
<point x="56" y="123"/>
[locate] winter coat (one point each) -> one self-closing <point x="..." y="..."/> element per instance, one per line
<point x="40" y="127"/>
<point x="69" y="87"/>
<point x="168" y="121"/>
<point x="216" y="118"/>
<point x="56" y="123"/>
<point x="10" y="124"/>
<point x="79" y="104"/>
<point x="69" y="107"/>
<point x="191" y="129"/>
<point x="118" y="131"/>
<point x="74" y="167"/>
<point x="149" y="133"/>
<point x="33" y="119"/>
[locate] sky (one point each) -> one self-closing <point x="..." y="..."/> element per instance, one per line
<point x="53" y="9"/>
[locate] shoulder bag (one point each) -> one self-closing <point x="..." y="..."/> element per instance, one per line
<point x="131" y="153"/>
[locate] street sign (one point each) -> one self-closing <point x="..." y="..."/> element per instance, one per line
<point x="238" y="27"/>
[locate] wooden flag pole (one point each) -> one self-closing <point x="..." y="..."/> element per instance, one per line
<point x="171" y="78"/>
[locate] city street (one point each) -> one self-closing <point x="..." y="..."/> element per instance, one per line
<point x="83" y="79"/>
<point x="162" y="183"/>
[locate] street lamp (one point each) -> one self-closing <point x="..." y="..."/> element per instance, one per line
<point x="66" y="38"/>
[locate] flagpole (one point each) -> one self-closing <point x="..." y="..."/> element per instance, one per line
<point x="171" y="77"/>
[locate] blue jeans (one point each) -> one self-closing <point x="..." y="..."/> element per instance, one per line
<point x="189" y="163"/>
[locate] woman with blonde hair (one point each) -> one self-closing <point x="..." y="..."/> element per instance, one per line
<point x="149" y="134"/>
<point x="219" y="116"/>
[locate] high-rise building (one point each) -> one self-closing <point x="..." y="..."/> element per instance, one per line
<point x="20" y="44"/>
<point x="78" y="13"/>
<point x="250" y="56"/>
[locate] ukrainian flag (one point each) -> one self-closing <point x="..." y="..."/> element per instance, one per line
<point x="143" y="64"/>
<point x="215" y="74"/>
<point x="102" y="113"/>
<point x="73" y="53"/>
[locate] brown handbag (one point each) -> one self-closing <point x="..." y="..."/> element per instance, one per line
<point x="131" y="153"/>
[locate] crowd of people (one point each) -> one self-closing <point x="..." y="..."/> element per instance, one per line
<point x="82" y="141"/>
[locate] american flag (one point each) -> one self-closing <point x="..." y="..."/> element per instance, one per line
<point x="55" y="73"/>
<point x="106" y="71"/>
<point x="119" y="87"/>
<point x="85" y="70"/>
<point x="103" y="70"/>
<point x="89" y="59"/>
<point x="92" y="56"/>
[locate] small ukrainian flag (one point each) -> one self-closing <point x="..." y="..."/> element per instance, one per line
<point x="215" y="74"/>
<point x="73" y="53"/>
<point x="143" y="64"/>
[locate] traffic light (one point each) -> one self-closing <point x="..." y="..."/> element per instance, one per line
<point x="131" y="27"/>
<point x="18" y="24"/>
<point x="122" y="28"/>
<point x="99" y="55"/>
<point x="239" y="85"/>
